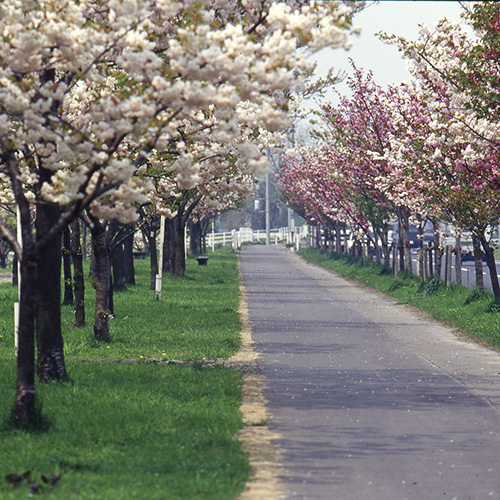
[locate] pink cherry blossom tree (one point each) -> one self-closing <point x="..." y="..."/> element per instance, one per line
<point x="456" y="151"/>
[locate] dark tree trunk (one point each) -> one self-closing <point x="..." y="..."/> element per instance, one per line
<point x="153" y="256"/>
<point x="478" y="263"/>
<point x="50" y="356"/>
<point x="169" y="246"/>
<point x="117" y="257"/>
<point x="429" y="253"/>
<point x="421" y="250"/>
<point x="15" y="271"/>
<point x="93" y="264"/>
<point x="128" y="255"/>
<point x="79" y="282"/>
<point x="404" y="239"/>
<point x="492" y="267"/>
<point x="180" y="250"/>
<point x="400" y="245"/>
<point x="102" y="279"/>
<point x="458" y="262"/>
<point x="111" y="299"/>
<point x="195" y="238"/>
<point x="438" y="251"/>
<point x="68" y="282"/>
<point x="25" y="386"/>
<point x="338" y="239"/>
<point x="84" y="242"/>
<point x="204" y="232"/>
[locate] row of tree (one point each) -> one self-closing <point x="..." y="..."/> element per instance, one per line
<point x="426" y="150"/>
<point x="107" y="106"/>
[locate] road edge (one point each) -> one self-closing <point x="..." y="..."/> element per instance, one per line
<point x="256" y="437"/>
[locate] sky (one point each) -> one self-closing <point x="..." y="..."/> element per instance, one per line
<point x="393" y="17"/>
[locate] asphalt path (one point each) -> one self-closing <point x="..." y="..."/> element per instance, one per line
<point x="370" y="400"/>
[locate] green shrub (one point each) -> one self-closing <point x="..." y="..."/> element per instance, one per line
<point x="431" y="286"/>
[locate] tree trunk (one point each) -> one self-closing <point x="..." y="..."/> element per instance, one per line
<point x="458" y="262"/>
<point x="492" y="267"/>
<point x="478" y="263"/>
<point x="195" y="237"/>
<point x="180" y="250"/>
<point x="421" y="250"/>
<point x="153" y="256"/>
<point x="438" y="252"/>
<point x="84" y="242"/>
<point x="118" y="256"/>
<point x="429" y="253"/>
<point x="15" y="271"/>
<point x="102" y="279"/>
<point x="128" y="255"/>
<point x="68" y="282"/>
<point x="50" y="355"/>
<point x="404" y="239"/>
<point x="169" y="246"/>
<point x="338" y="239"/>
<point x="25" y="386"/>
<point x="400" y="246"/>
<point x="93" y="265"/>
<point x="204" y="232"/>
<point x="79" y="282"/>
<point x="3" y="260"/>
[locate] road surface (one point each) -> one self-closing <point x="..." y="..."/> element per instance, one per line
<point x="370" y="400"/>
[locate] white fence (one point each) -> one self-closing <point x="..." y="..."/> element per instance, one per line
<point x="237" y="238"/>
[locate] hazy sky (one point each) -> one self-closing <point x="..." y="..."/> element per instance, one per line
<point x="393" y="17"/>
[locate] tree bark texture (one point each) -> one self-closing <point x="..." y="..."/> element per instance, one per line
<point x="169" y="246"/>
<point x="68" y="282"/>
<point x="79" y="281"/>
<point x="438" y="251"/>
<point x="195" y="237"/>
<point x="117" y="256"/>
<point x="180" y="250"/>
<point x="153" y="256"/>
<point x="458" y="262"/>
<point x="421" y="251"/>
<point x="15" y="271"/>
<point x="50" y="355"/>
<point x="492" y="267"/>
<point x="102" y="279"/>
<point x="25" y="386"/>
<point x="478" y="263"/>
<point x="128" y="254"/>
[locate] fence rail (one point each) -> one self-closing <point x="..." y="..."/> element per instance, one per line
<point x="237" y="238"/>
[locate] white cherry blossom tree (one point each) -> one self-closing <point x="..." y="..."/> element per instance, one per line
<point x="91" y="92"/>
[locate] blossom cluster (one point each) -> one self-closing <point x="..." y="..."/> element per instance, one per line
<point x="93" y="91"/>
<point x="427" y="148"/>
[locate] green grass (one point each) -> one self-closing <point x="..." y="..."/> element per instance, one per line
<point x="137" y="430"/>
<point x="196" y="317"/>
<point x="474" y="314"/>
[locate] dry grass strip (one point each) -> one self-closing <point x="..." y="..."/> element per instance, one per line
<point x="256" y="438"/>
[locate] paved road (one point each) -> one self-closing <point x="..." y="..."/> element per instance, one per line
<point x="371" y="400"/>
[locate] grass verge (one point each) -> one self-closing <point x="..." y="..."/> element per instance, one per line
<point x="473" y="313"/>
<point x="136" y="430"/>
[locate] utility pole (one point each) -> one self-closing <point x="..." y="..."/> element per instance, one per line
<point x="159" y="276"/>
